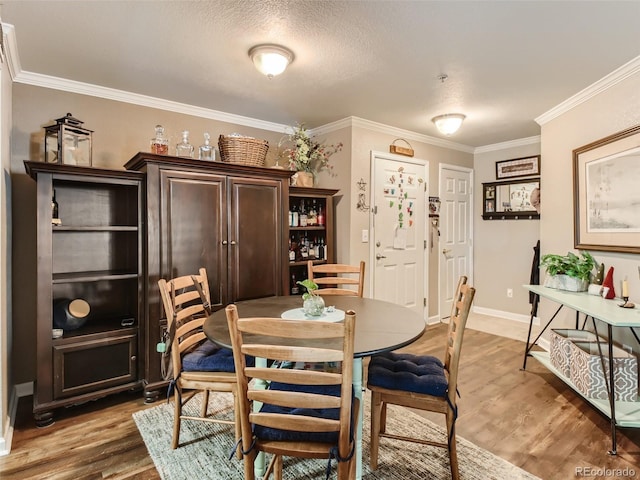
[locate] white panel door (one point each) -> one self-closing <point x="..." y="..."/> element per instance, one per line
<point x="398" y="240"/>
<point x="456" y="249"/>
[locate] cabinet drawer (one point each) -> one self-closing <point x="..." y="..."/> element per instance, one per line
<point x="91" y="365"/>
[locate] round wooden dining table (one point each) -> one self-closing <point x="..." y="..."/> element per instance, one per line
<point x="380" y="327"/>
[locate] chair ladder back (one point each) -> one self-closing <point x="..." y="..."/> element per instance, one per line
<point x="454" y="346"/>
<point x="185" y="312"/>
<point x="334" y="274"/>
<point x="340" y="348"/>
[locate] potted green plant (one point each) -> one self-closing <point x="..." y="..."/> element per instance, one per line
<point x="568" y="272"/>
<point x="313" y="304"/>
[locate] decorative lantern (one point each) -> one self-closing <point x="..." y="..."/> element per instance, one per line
<point x="67" y="142"/>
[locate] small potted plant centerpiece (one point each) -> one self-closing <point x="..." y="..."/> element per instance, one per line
<point x="313" y="304"/>
<point x="569" y="272"/>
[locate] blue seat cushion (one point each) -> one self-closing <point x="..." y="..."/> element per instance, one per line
<point x="268" y="433"/>
<point x="406" y="372"/>
<point x="209" y="357"/>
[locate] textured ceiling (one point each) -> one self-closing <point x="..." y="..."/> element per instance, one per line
<point x="507" y="62"/>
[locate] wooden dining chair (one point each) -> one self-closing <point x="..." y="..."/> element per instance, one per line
<point x="198" y="364"/>
<point x="336" y="278"/>
<point x="421" y="382"/>
<point x="304" y="413"/>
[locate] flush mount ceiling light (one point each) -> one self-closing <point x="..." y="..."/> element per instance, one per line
<point x="449" y="123"/>
<point x="271" y="60"/>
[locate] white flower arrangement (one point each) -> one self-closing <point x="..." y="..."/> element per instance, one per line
<point x="307" y="154"/>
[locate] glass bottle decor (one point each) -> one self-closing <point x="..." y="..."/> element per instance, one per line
<point x="313" y="305"/>
<point x="160" y="143"/>
<point x="184" y="148"/>
<point x="206" y="151"/>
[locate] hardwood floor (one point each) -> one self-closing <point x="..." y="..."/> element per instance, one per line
<point x="531" y="419"/>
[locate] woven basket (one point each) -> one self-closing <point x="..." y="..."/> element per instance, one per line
<point x="243" y="150"/>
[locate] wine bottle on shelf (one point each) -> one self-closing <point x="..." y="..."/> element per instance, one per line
<point x="313" y="214"/>
<point x="295" y="216"/>
<point x="293" y="245"/>
<point x="295" y="289"/>
<point x="321" y="216"/>
<point x="303" y="215"/>
<point x="321" y="250"/>
<point x="55" y="219"/>
<point x="312" y="250"/>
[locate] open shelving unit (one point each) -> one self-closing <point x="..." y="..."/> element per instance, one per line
<point x="93" y="254"/>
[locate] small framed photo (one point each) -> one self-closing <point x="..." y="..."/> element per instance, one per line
<point x="518" y="167"/>
<point x="434" y="206"/>
<point x="489" y="206"/>
<point x="490" y="192"/>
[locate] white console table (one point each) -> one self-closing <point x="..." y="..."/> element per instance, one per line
<point x="621" y="414"/>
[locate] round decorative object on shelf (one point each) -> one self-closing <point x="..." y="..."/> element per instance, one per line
<point x="70" y="314"/>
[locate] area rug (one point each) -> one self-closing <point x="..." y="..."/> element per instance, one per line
<point x="204" y="449"/>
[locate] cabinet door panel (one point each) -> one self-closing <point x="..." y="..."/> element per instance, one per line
<point x="194" y="227"/>
<point x="86" y="366"/>
<point x="256" y="227"/>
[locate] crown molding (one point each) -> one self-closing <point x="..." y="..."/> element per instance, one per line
<point x="625" y="71"/>
<point x="510" y="144"/>
<point x="11" y="50"/>
<point x="73" y="86"/>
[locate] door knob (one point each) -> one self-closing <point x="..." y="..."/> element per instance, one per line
<point x="446" y="250"/>
<point x="378" y="256"/>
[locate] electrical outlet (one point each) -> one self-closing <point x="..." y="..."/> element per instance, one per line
<point x="365" y="236"/>
<point x="510" y="292"/>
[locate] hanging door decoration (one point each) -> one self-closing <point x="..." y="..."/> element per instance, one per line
<point x="397" y="185"/>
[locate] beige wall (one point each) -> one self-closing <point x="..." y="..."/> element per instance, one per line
<point x="611" y="111"/>
<point x="503" y="248"/>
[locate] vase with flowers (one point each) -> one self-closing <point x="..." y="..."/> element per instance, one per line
<point x="307" y="156"/>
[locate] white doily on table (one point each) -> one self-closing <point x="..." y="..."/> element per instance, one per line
<point x="335" y="315"/>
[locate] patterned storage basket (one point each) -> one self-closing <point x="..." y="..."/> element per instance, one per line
<point x="243" y="150"/>
<point x="560" y="341"/>
<point x="586" y="371"/>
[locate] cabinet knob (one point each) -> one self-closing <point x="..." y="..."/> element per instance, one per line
<point x="133" y="358"/>
<point x="224" y="242"/>
<point x="232" y="242"/>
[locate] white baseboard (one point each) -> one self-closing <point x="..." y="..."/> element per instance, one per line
<point x="516" y="317"/>
<point x="433" y="320"/>
<point x="22" y="390"/>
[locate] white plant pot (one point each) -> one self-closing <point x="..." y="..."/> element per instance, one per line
<point x="565" y="282"/>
